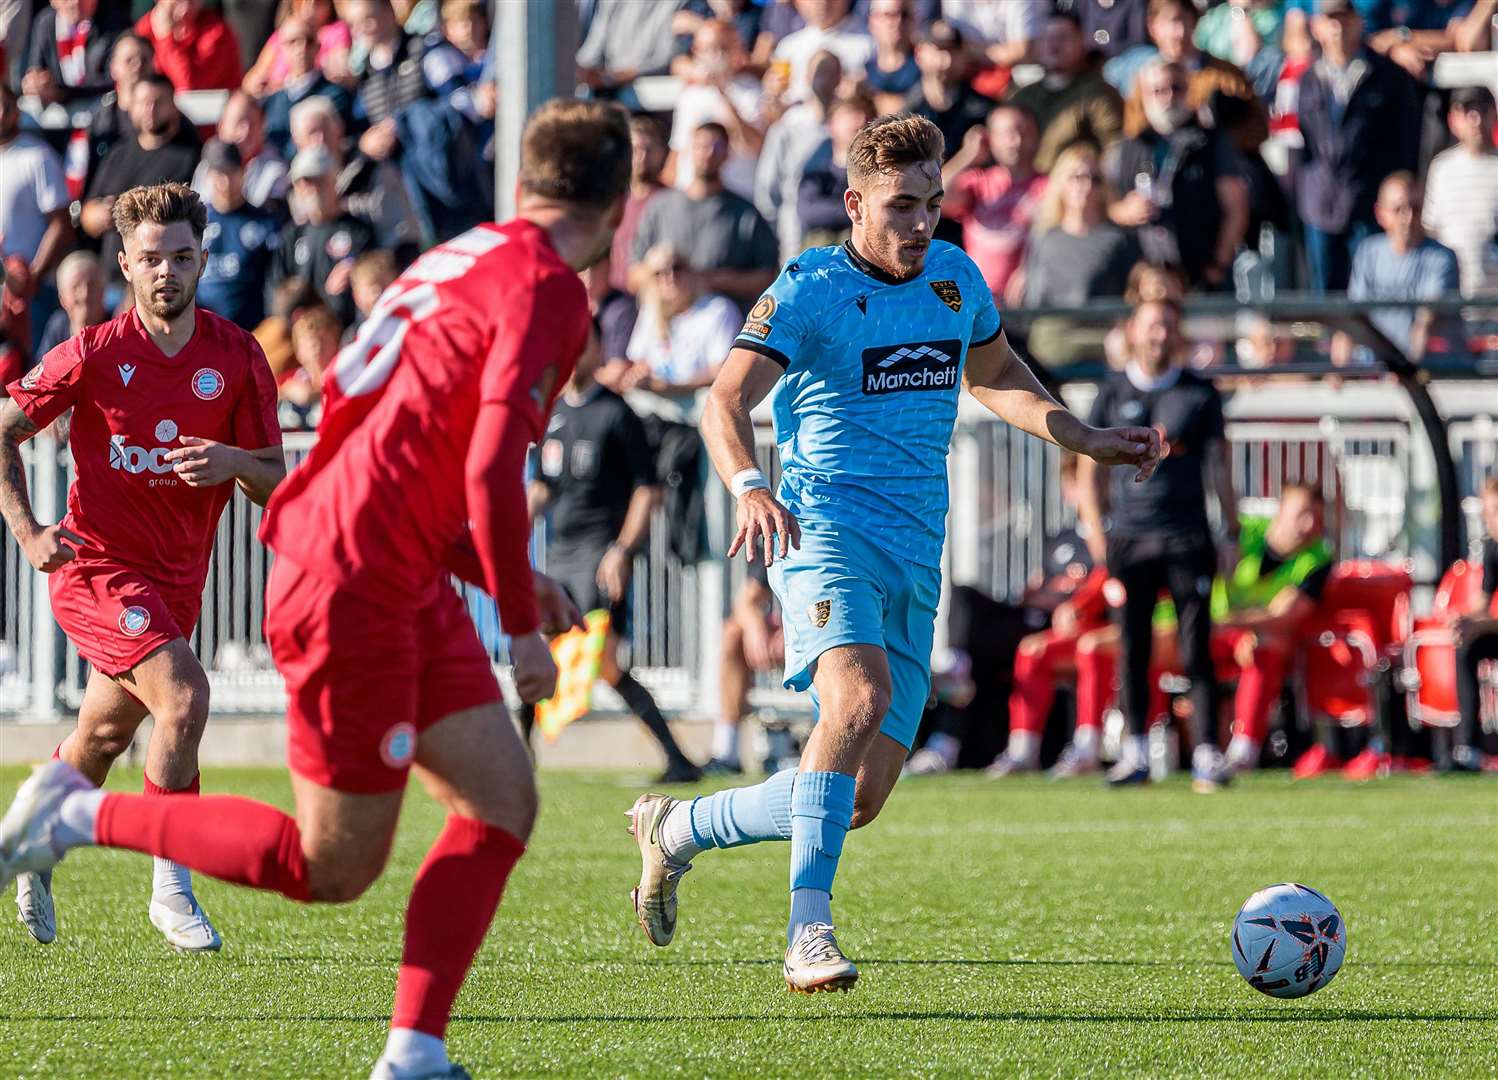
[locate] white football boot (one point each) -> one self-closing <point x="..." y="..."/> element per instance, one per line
<point x="383" y="1070"/>
<point x="34" y="908"/>
<point x="814" y="963"/>
<point x="654" y="898"/>
<point x="33" y="837"/>
<point x="191" y="932"/>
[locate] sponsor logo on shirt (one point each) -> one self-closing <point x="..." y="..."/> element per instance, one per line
<point x="759" y="318"/>
<point x="127" y="372"/>
<point x="930" y="365"/>
<point x="166" y="431"/>
<point x="398" y="747"/>
<point x="134" y="621"/>
<point x="207" y="383"/>
<point x="137" y="459"/>
<point x="948" y="293"/>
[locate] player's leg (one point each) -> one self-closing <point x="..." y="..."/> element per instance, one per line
<point x="1038" y="660"/>
<point x="1189" y="578"/>
<point x="1142" y="576"/>
<point x="734" y="680"/>
<point x="473" y="763"/>
<point x="641" y="704"/>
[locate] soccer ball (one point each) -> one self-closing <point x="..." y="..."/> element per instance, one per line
<point x="1288" y="941"/>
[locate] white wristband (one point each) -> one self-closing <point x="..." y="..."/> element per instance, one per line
<point x="747" y="481"/>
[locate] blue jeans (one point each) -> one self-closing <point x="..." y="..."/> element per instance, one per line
<point x="1329" y="255"/>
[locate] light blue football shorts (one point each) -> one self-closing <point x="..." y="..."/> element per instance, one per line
<point x="840" y="589"/>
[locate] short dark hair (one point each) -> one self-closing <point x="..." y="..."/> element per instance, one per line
<point x="884" y="146"/>
<point x="1472" y="99"/>
<point x="1183" y="7"/>
<point x="1066" y="15"/>
<point x="157" y="79"/>
<point x="159" y="204"/>
<point x="1015" y="107"/>
<point x="718" y="130"/>
<point x="576" y="151"/>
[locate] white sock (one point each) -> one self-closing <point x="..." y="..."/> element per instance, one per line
<point x="1136" y="750"/>
<point x="1084" y="742"/>
<point x="1024" y="748"/>
<point x="77" y="818"/>
<point x="807" y="906"/>
<point x="726" y="742"/>
<point x="677" y="838"/>
<point x="171" y="884"/>
<point x="414" y="1053"/>
<point x="1243" y="754"/>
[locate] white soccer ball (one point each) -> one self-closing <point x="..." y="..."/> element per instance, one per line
<point x="1288" y="941"/>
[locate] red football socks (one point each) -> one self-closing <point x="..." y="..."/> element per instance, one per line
<point x="453" y="901"/>
<point x="152" y="788"/>
<point x="224" y="836"/>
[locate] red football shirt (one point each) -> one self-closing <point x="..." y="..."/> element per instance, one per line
<point x="131" y="403"/>
<point x="493" y="315"/>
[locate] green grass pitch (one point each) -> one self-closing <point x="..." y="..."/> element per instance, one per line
<point x="1004" y="929"/>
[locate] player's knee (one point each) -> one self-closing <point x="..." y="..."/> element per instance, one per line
<point x="185" y="711"/>
<point x="864" y="704"/>
<point x="106" y="740"/>
<point x="865" y="809"/>
<point x="340" y="878"/>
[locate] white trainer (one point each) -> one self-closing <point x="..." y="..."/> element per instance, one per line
<point x="383" y="1070"/>
<point x="654" y="898"/>
<point x="189" y="933"/>
<point x="34" y="909"/>
<point x="32" y="836"/>
<point x="814" y="963"/>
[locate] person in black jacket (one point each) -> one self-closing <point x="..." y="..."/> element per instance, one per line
<point x="68" y="55"/>
<point x="1360" y="118"/>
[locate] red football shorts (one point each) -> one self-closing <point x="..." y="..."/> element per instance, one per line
<point x="117" y="616"/>
<point x="364" y="679"/>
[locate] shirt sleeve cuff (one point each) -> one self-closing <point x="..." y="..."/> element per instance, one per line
<point x="991" y="337"/>
<point x="764" y="350"/>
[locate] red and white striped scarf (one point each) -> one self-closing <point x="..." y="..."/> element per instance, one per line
<point x="72" y="43"/>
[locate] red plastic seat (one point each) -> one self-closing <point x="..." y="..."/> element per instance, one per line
<point x="1338" y="658"/>
<point x="1430" y="654"/>
<point x="1382" y="590"/>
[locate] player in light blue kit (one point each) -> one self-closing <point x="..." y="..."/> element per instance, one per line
<point x="871" y="342"/>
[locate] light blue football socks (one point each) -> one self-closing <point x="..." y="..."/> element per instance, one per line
<point x="730" y="818"/>
<point x="821" y="812"/>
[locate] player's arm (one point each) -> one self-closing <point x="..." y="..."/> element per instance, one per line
<point x="617" y="565"/>
<point x="46" y="547"/>
<point x="746" y="379"/>
<point x="1006" y="387"/>
<point x="205" y="463"/>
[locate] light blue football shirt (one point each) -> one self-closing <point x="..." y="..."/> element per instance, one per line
<point x="873" y="367"/>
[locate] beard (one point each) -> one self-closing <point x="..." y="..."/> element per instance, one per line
<point x="149" y="300"/>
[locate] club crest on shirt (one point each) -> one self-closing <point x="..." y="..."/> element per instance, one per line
<point x="948" y="293"/>
<point x="207" y="383"/>
<point x="819" y="613"/>
<point x="134" y="621"/>
<point x="31" y="378"/>
<point x="398" y="747"/>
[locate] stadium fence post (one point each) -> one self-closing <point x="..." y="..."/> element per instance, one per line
<point x="50" y="478"/>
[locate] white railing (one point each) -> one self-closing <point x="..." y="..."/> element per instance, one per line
<point x="1005" y="500"/>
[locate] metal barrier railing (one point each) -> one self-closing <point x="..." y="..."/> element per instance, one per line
<point x="1005" y="500"/>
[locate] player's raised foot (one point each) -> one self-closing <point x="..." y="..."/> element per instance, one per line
<point x="33" y="835"/>
<point x="186" y="932"/>
<point x="814" y="963"/>
<point x="34" y="908"/>
<point x="1004" y="765"/>
<point x="1071" y="764"/>
<point x="1128" y="774"/>
<point x="654" y="898"/>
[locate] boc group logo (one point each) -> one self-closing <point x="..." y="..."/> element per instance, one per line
<point x="207" y="383"/>
<point x="917" y="365"/>
<point x="398" y="747"/>
<point x="134" y="621"/>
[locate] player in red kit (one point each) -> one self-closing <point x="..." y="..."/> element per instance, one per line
<point x="170" y="403"/>
<point x="417" y="474"/>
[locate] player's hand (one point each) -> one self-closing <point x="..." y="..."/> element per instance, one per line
<point x="51" y="548"/>
<point x="614" y="572"/>
<point x="1138" y="446"/>
<point x="762" y="520"/>
<point x="535" y="670"/>
<point x="558" y="613"/>
<point x="204" y="463"/>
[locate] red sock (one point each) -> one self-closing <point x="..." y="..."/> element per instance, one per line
<point x="452" y="904"/>
<point x="223" y="836"/>
<point x="152" y="788"/>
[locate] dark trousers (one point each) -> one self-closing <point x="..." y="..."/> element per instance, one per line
<point x="1469" y="654"/>
<point x="1183" y="565"/>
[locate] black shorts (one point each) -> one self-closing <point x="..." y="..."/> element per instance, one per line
<point x="577" y="572"/>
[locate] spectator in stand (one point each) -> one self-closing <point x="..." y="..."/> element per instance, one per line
<point x="35" y="229"/>
<point x="399" y="69"/>
<point x="1075" y="254"/>
<point x="80" y="295"/>
<point x="892" y="72"/>
<point x="722" y="236"/>
<point x="164" y="148"/>
<point x="384" y="205"/>
<point x="314" y="343"/>
<point x="681" y="337"/>
<point x="68" y="59"/>
<point x="1477" y="640"/>
<point x="996" y="204"/>
<point x="328" y="44"/>
<point x="626" y="40"/>
<point x="194" y="47"/>
<point x="1412" y="33"/>
<point x="1209" y="79"/>
<point x="1158" y="536"/>
<point x="465" y="25"/>
<point x="1113" y="26"/>
<point x="830" y="27"/>
<point x="648" y="160"/>
<point x="1237" y="30"/>
<point x="944" y="95"/>
<point x="788" y="143"/>
<point x="1461" y="191"/>
<point x="1072" y="102"/>
<point x="718" y="89"/>
<point x="615" y="311"/>
<point x="1005" y="33"/>
<point x="242" y="126"/>
<point x="240" y="240"/>
<point x="1360" y="121"/>
<point x="303" y="79"/>
<point x="1402" y="263"/>
<point x="745" y="15"/>
<point x="824" y="178"/>
<point x="130" y="60"/>
<point x="372" y="274"/>
<point x="1185" y="193"/>
<point x="324" y="238"/>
